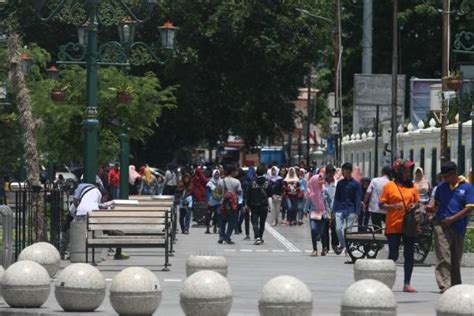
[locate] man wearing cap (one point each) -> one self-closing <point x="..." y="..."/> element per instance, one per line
<point x="454" y="202"/>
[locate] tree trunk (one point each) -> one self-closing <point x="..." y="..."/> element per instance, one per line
<point x="30" y="127"/>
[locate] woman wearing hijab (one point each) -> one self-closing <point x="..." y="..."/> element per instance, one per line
<point x="276" y="184"/>
<point x="133" y="179"/>
<point x="357" y="174"/>
<point x="318" y="216"/>
<point x="303" y="202"/>
<point x="422" y="185"/>
<point x="293" y="194"/>
<point x="149" y="183"/>
<point x="399" y="197"/>
<point x="214" y="199"/>
<point x="199" y="181"/>
<point x="244" y="214"/>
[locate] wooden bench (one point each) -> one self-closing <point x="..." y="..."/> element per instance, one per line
<point x="366" y="242"/>
<point x="138" y="229"/>
<point x="147" y="208"/>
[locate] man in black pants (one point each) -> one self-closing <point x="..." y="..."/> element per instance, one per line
<point x="257" y="201"/>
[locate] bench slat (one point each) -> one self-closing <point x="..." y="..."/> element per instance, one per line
<point x="366" y="237"/>
<point x="128" y="236"/>
<point x="110" y="213"/>
<point x="141" y="208"/>
<point x="126" y="227"/>
<point x="130" y="242"/>
<point x="126" y="220"/>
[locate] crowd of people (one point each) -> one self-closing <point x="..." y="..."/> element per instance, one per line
<point x="332" y="200"/>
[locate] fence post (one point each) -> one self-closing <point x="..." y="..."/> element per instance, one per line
<point x="7" y="215"/>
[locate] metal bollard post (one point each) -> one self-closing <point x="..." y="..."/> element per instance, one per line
<point x="7" y="254"/>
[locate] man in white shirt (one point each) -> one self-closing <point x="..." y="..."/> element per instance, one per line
<point x="328" y="195"/>
<point x="89" y="197"/>
<point x="372" y="197"/>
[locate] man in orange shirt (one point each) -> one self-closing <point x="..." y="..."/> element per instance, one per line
<point x="398" y="197"/>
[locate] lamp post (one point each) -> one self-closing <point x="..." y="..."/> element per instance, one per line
<point x="89" y="53"/>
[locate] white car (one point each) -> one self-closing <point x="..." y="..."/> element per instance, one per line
<point x="66" y="173"/>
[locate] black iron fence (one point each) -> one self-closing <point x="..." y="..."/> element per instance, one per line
<point x="51" y="200"/>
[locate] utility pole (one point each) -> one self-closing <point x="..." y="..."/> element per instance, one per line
<point x="445" y="73"/>
<point x="367" y="37"/>
<point x="393" y="142"/>
<point x="337" y="61"/>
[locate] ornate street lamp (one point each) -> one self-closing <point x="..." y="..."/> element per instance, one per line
<point x="126" y="30"/>
<point x="26" y="63"/>
<point x="168" y="35"/>
<point x="53" y="73"/>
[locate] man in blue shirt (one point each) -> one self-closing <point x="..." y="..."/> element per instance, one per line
<point x="454" y="202"/>
<point x="347" y="203"/>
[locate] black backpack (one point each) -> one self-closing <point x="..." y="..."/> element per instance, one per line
<point x="259" y="197"/>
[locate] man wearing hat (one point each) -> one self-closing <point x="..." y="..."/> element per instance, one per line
<point x="454" y="202"/>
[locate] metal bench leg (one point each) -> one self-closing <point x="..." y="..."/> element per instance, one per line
<point x="93" y="256"/>
<point x="87" y="254"/>
<point x="166" y="256"/>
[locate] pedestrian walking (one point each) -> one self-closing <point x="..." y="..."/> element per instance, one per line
<point x="318" y="214"/>
<point x="454" y="202"/>
<point x="372" y="195"/>
<point x="171" y="180"/>
<point x="284" y="199"/>
<point x="399" y="197"/>
<point x="134" y="179"/>
<point x="229" y="209"/>
<point x="184" y="195"/>
<point x="423" y="186"/>
<point x="293" y="195"/>
<point x="364" y="211"/>
<point x="347" y="203"/>
<point x="246" y="179"/>
<point x="329" y="191"/>
<point x="276" y="183"/>
<point x="257" y="194"/>
<point x="114" y="181"/>
<point x="199" y="181"/>
<point x="214" y="200"/>
<point x="304" y="200"/>
<point x="149" y="184"/>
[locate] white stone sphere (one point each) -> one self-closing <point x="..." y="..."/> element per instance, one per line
<point x="26" y="284"/>
<point x="135" y="291"/>
<point x="384" y="271"/>
<point x="285" y="295"/>
<point x="80" y="287"/>
<point x="206" y="293"/>
<point x="457" y="301"/>
<point x="213" y="263"/>
<point x="368" y="297"/>
<point x="43" y="253"/>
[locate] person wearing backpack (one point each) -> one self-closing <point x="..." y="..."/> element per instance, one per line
<point x="229" y="209"/>
<point x="257" y="194"/>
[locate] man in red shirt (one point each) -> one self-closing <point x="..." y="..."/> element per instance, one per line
<point x="114" y="181"/>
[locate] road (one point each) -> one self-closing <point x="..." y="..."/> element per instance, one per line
<point x="286" y="251"/>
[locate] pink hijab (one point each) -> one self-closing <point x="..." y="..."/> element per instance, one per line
<point x="132" y="174"/>
<point x="315" y="193"/>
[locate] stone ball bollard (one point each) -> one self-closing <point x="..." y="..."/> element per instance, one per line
<point x="368" y="297"/>
<point x="26" y="284"/>
<point x="218" y="264"/>
<point x="43" y="253"/>
<point x="384" y="271"/>
<point x="285" y="295"/>
<point x="135" y="291"/>
<point x="457" y="301"/>
<point x="80" y="287"/>
<point x="206" y="293"/>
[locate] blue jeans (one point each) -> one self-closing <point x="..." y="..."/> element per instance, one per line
<point x="317" y="230"/>
<point x="394" y="241"/>
<point x="185" y="218"/>
<point x="227" y="225"/>
<point x="343" y="221"/>
<point x="115" y="193"/>
<point x="292" y="210"/>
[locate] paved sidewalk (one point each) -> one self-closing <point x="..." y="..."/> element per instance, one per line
<point x="284" y="252"/>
